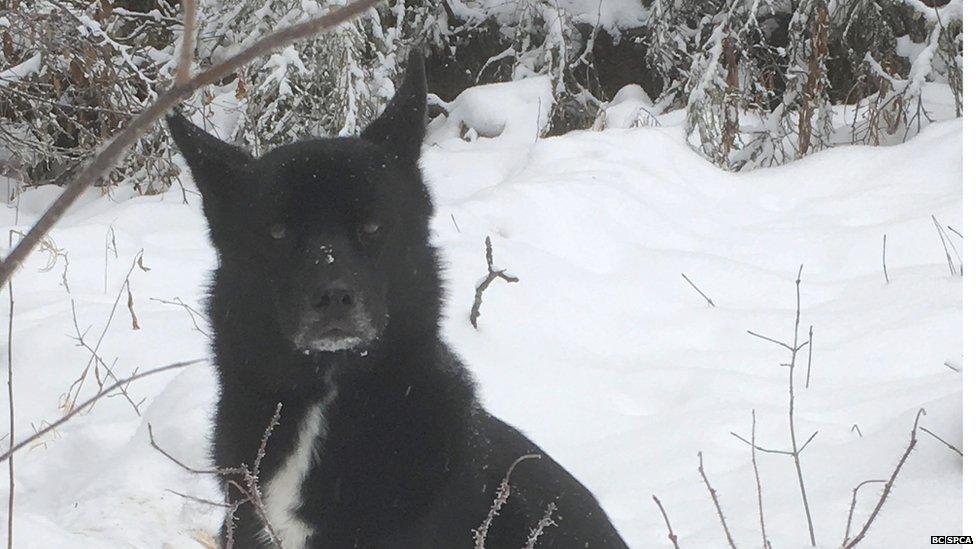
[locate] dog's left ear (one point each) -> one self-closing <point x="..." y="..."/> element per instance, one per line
<point x="402" y="125"/>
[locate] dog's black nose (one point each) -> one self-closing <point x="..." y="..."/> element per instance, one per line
<point x="336" y="298"/>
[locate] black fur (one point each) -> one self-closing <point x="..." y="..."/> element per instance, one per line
<point x="409" y="459"/>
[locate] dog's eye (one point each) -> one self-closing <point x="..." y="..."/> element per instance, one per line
<point x="277" y="231"/>
<point x="370" y="228"/>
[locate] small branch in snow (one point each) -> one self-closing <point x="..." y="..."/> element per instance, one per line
<point x="795" y="448"/>
<point x="190" y="311"/>
<point x="248" y="487"/>
<point x="697" y="289"/>
<point x="856" y="429"/>
<point x="492" y="275"/>
<point x="952" y="366"/>
<point x="888" y="484"/>
<point x="671" y="535"/>
<point x="809" y="356"/>
<point x="755" y="470"/>
<point x="850" y="511"/>
<point x="714" y="495"/>
<point x="942" y="440"/>
<point x="884" y="257"/>
<point x="946" y="243"/>
<point x="501" y="497"/>
<point x="959" y="234"/>
<point x="101" y="394"/>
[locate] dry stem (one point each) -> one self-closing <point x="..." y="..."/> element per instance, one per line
<point x="492" y="275"/>
<point x="671" y="535"/>
<point x="701" y="293"/>
<point x="714" y="494"/>
<point x="504" y="490"/>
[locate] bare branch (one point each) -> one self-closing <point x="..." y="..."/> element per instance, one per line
<point x="187" y="42"/>
<point x="884" y="257"/>
<point x="942" y="440"/>
<point x="492" y="275"/>
<point x="809" y="356"/>
<point x="671" y="535"/>
<point x="101" y="394"/>
<point x="701" y="293"/>
<point x="714" y="494"/>
<point x="850" y="512"/>
<point x="888" y="484"/>
<point x="109" y="154"/>
<point x="10" y="402"/>
<point x="755" y="470"/>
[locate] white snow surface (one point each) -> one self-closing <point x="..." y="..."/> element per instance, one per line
<point x="602" y="353"/>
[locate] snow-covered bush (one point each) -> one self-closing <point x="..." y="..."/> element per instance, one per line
<point x="75" y="73"/>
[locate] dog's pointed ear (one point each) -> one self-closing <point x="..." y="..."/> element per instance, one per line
<point x="402" y="125"/>
<point x="212" y="162"/>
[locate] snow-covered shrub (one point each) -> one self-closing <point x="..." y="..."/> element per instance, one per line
<point x="78" y="71"/>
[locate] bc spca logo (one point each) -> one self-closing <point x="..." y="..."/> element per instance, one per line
<point x="952" y="540"/>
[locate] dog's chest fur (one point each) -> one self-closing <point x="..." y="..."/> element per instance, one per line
<point x="283" y="493"/>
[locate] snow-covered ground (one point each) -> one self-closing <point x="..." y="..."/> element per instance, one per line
<point x="602" y="352"/>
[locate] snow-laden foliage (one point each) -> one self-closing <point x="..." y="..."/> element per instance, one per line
<point x="764" y="81"/>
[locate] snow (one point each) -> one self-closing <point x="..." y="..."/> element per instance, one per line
<point x="510" y="111"/>
<point x="631" y="107"/>
<point x="28" y="67"/>
<point x="601" y="352"/>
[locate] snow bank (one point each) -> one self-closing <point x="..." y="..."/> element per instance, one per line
<point x="509" y="111"/>
<point x="602" y="352"/>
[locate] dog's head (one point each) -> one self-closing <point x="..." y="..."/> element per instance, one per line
<point x="325" y="232"/>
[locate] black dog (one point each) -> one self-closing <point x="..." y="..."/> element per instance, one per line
<point x="327" y="300"/>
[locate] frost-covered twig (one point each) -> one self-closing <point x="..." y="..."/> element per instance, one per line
<point x="714" y="495"/>
<point x="101" y="394"/>
<point x="667" y="522"/>
<point x="701" y="293"/>
<point x="110" y="153"/>
<point x="492" y="275"/>
<point x="545" y="522"/>
<point x="250" y="491"/>
<point x="888" y="484"/>
<point x="190" y="311"/>
<point x="501" y="497"/>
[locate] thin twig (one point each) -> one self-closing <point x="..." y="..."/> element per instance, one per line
<point x="952" y="366"/>
<point x="671" y="535"/>
<point x="714" y="494"/>
<point x="884" y="257"/>
<point x="850" y="511"/>
<point x="809" y="356"/>
<point x="855" y="428"/>
<point x="755" y="470"/>
<point x="943" y="441"/>
<point x="545" y="522"/>
<point x="492" y="275"/>
<point x="52" y="426"/>
<point x="10" y="399"/>
<point x="887" y="487"/>
<point x="697" y="289"/>
<point x="943" y="238"/>
<point x="139" y="125"/>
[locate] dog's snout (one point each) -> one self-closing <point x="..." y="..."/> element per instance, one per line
<point x="336" y="298"/>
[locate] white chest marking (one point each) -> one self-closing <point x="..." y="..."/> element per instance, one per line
<point x="283" y="494"/>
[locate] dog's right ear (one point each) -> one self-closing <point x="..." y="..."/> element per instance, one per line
<point x="213" y="163"/>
